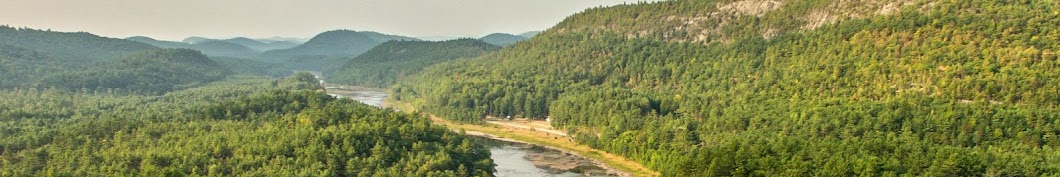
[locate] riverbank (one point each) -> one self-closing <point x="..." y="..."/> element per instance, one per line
<point x="543" y="139"/>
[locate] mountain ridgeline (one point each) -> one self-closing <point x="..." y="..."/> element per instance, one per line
<point x="344" y="43"/>
<point x="783" y="88"/>
<point x="155" y="71"/>
<point x="77" y="48"/>
<point x="326" y="50"/>
<point x="389" y="62"/>
<point x="218" y="48"/>
<point x="502" y="39"/>
<point x="262" y="46"/>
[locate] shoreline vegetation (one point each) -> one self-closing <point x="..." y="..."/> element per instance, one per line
<point x="609" y="161"/>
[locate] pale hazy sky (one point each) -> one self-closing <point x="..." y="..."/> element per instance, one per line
<point x="177" y="19"/>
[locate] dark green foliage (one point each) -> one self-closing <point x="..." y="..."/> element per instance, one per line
<point x="154" y="71"/>
<point x="78" y="48"/>
<point x="73" y="61"/>
<point x="947" y="88"/>
<point x="22" y="67"/>
<point x="389" y="62"/>
<point x="255" y="67"/>
<point x="242" y="126"/>
<point x="502" y="39"/>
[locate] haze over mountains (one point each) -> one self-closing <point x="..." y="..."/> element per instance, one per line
<point x="502" y="39"/>
<point x="318" y="53"/>
<point x="389" y="62"/>
<point x="677" y="88"/>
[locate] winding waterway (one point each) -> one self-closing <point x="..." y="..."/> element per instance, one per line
<point x="512" y="158"/>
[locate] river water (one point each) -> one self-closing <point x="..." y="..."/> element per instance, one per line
<point x="512" y="159"/>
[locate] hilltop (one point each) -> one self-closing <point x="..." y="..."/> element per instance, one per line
<point x="346" y="43"/>
<point x="385" y="64"/>
<point x="502" y="39"/>
<point x="78" y="47"/>
<point x="323" y="51"/>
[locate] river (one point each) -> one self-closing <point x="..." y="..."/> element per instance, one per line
<point x="512" y="159"/>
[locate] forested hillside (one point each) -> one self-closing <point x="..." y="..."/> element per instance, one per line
<point x="69" y="47"/>
<point x="155" y="71"/>
<point x="242" y="126"/>
<point x="389" y="62"/>
<point x="20" y="66"/>
<point x="783" y="88"/>
<point x="217" y="48"/>
<point x="73" y="61"/>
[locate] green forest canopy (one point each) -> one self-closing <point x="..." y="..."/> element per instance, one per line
<point x="241" y="126"/>
<point x="876" y="88"/>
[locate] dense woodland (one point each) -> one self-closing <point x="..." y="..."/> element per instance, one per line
<point x="155" y="71"/>
<point x="687" y="88"/>
<point x="875" y="88"/>
<point x="389" y="62"/>
<point x="241" y="126"/>
<point x="75" y="61"/>
<point x="76" y="104"/>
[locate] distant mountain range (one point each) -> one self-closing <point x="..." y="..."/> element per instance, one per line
<point x="329" y="47"/>
<point x="32" y="58"/>
<point x="223" y="48"/>
<point x="439" y="38"/>
<point x="338" y="43"/>
<point x="318" y="53"/>
<point x="387" y="63"/>
<point x="530" y="34"/>
<point x="69" y="46"/>
<point x="502" y="39"/>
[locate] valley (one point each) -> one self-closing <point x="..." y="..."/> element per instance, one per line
<point x="513" y="157"/>
<point x="623" y="88"/>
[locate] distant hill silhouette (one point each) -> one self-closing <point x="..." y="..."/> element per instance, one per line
<point x="328" y="49"/>
<point x="196" y="39"/>
<point x="502" y="39"/>
<point x="530" y="34"/>
<point x="223" y="48"/>
<point x="344" y="43"/>
<point x="261" y="45"/>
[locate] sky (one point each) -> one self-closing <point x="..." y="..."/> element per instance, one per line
<point x="178" y="19"/>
